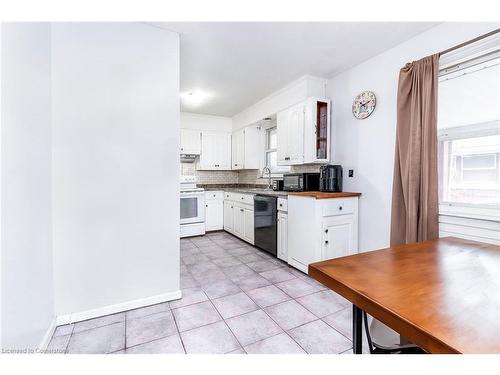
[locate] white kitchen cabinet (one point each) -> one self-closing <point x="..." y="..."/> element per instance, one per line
<point x="339" y="236"/>
<point x="290" y="129"/>
<point x="248" y="224"/>
<point x="238" y="149"/>
<point x="239" y="223"/>
<point x="283" y="236"/>
<point x="304" y="133"/>
<point x="190" y="141"/>
<point x="215" y="151"/>
<point x="320" y="229"/>
<point x="239" y="215"/>
<point x="214" y="210"/>
<point x="228" y="216"/>
<point x="247" y="148"/>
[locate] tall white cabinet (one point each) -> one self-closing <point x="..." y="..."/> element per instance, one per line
<point x="215" y="151"/>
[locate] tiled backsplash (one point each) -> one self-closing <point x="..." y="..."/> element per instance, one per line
<point x="250" y="176"/>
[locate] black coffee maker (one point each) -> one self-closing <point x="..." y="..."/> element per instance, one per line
<point x="330" y="178"/>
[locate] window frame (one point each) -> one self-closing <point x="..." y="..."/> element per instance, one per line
<point x="469" y="210"/>
<point x="279" y="170"/>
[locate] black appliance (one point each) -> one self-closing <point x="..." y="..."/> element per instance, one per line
<point x="277" y="185"/>
<point x="301" y="182"/>
<point x="330" y="178"/>
<point x="265" y="224"/>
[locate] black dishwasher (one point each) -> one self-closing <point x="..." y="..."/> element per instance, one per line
<point x="265" y="225"/>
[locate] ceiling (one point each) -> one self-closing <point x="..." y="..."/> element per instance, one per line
<point x="236" y="64"/>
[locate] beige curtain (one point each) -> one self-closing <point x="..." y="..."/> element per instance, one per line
<point x="415" y="186"/>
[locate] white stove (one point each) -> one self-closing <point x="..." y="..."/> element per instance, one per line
<point x="192" y="215"/>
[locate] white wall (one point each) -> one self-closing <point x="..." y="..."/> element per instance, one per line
<point x="368" y="145"/>
<point x="26" y="244"/>
<point x="115" y="165"/>
<point x="206" y="122"/>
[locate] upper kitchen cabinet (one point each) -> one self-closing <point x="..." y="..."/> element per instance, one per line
<point x="246" y="148"/>
<point x="304" y="133"/>
<point x="190" y="141"/>
<point x="215" y="151"/>
<point x="290" y="128"/>
<point x="317" y="131"/>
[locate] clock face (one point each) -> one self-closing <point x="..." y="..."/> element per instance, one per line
<point x="363" y="105"/>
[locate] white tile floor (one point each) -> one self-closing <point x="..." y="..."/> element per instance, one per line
<point x="236" y="299"/>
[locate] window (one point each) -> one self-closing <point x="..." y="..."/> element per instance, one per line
<point x="469" y="137"/>
<point x="470" y="172"/>
<point x="272" y="153"/>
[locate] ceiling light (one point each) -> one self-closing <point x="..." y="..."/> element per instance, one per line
<point x="194" y="98"/>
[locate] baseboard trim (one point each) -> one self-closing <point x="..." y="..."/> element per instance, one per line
<point x="119" y="307"/>
<point x="48" y="335"/>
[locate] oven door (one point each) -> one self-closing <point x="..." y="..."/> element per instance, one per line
<point x="192" y="207"/>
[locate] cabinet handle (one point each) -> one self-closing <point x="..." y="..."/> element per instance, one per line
<point x="340" y="208"/>
<point x="242" y="197"/>
<point x="232" y="207"/>
<point x="206" y="205"/>
<point x="326" y="230"/>
<point x="241" y="209"/>
<point x="326" y="242"/>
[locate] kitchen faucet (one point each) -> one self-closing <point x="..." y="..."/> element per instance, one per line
<point x="264" y="170"/>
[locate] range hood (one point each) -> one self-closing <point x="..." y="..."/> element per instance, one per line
<point x="188" y="158"/>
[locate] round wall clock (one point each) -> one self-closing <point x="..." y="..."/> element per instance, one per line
<point x="363" y="105"/>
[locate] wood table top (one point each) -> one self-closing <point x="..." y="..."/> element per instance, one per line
<point x="324" y="194"/>
<point x="443" y="295"/>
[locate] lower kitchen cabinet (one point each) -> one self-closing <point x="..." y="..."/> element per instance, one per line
<point x="228" y="216"/>
<point x="214" y="210"/>
<point x="339" y="236"/>
<point x="248" y="225"/>
<point x="321" y="229"/>
<point x="283" y="236"/>
<point x="239" y="215"/>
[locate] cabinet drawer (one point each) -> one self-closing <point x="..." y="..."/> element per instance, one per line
<point x="332" y="207"/>
<point x="283" y="204"/>
<point x="239" y="198"/>
<point x="214" y="195"/>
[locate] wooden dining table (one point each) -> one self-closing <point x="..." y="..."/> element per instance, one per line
<point x="442" y="295"/>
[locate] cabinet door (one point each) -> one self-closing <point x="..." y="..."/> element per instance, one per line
<point x="214" y="215"/>
<point x="248" y="225"/>
<point x="282" y="131"/>
<point x="339" y="236"/>
<point x="228" y="216"/>
<point x="253" y="153"/>
<point x="190" y="141"/>
<point x="283" y="236"/>
<point x="208" y="148"/>
<point x="223" y="151"/>
<point x="238" y="223"/>
<point x="295" y="134"/>
<point x="238" y="150"/>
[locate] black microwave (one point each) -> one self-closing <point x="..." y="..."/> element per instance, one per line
<point x="301" y="182"/>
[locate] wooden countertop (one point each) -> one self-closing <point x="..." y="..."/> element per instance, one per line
<point x="443" y="295"/>
<point x="324" y="194"/>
